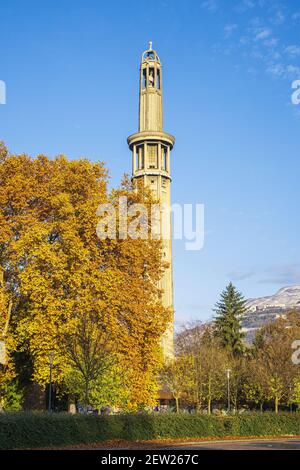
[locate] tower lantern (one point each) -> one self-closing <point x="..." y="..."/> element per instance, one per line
<point x="151" y="148"/>
<point x="151" y="113"/>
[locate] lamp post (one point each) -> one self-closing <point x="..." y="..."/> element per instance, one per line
<point x="228" y="371"/>
<point x="51" y="357"/>
<point x="290" y="397"/>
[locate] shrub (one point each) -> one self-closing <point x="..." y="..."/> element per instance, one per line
<point x="32" y="430"/>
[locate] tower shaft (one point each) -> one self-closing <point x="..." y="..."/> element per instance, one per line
<point x="151" y="148"/>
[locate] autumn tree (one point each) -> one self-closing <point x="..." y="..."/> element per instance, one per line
<point x="175" y="376"/>
<point x="87" y="351"/>
<point x="256" y="386"/>
<point x="58" y="268"/>
<point x="10" y="393"/>
<point x="188" y="343"/>
<point x="3" y="151"/>
<point x="274" y="354"/>
<point x="294" y="397"/>
<point x="214" y="363"/>
<point x="238" y="371"/>
<point x="207" y="362"/>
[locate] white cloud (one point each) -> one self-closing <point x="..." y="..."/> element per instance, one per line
<point x="272" y="42"/>
<point x="296" y="112"/>
<point x="277" y="70"/>
<point x="210" y="5"/>
<point x="245" y="5"/>
<point x="229" y="30"/>
<point x="293" y="71"/>
<point x="260" y="40"/>
<point x="240" y="275"/>
<point x="256" y="54"/>
<point x="276" y="274"/>
<point x="296" y="16"/>
<point x="248" y="3"/>
<point x="283" y="71"/>
<point x="244" y="40"/>
<point x="275" y="56"/>
<point x="263" y="33"/>
<point x="255" y="22"/>
<point x="293" y="50"/>
<point x="253" y="71"/>
<point x="278" y="18"/>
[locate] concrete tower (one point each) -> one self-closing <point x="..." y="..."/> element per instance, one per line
<point x="151" y="148"/>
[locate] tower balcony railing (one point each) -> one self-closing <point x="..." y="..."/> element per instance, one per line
<point x="152" y="172"/>
<point x="151" y="136"/>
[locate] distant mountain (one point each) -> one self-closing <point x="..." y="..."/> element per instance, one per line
<point x="263" y="310"/>
<point x="285" y="297"/>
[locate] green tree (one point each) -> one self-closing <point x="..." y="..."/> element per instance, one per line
<point x="255" y="386"/>
<point x="238" y="366"/>
<point x="175" y="376"/>
<point x="295" y="393"/>
<point x="87" y="351"/>
<point x="229" y="310"/>
<point x="11" y="396"/>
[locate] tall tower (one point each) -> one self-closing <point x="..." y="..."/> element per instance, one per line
<point x="151" y="148"/>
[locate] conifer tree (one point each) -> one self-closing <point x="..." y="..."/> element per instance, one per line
<point x="229" y="310"/>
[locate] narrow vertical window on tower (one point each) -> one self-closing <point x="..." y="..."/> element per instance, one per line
<point x="139" y="157"/>
<point x="151" y="78"/>
<point x="136" y="158"/>
<point x="142" y="163"/>
<point x="144" y="79"/>
<point x="158" y="79"/>
<point x="152" y="155"/>
<point x="164" y="158"/>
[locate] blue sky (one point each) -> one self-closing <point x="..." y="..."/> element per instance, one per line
<point x="71" y="71"/>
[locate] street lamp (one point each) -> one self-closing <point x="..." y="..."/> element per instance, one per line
<point x="228" y="371"/>
<point x="51" y="357"/>
<point x="290" y="397"/>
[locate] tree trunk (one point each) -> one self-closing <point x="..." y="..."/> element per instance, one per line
<point x="86" y="396"/>
<point x="209" y="406"/>
<point x="177" y="404"/>
<point x="209" y="396"/>
<point x="276" y="404"/>
<point x="235" y="404"/>
<point x="198" y="406"/>
<point x="71" y="405"/>
<point x="261" y="406"/>
<point x="198" y="401"/>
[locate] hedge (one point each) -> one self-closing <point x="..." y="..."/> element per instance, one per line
<point x="32" y="430"/>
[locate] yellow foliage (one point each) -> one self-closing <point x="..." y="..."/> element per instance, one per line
<point x="57" y="268"/>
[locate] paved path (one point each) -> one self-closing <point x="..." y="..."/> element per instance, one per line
<point x="243" y="444"/>
<point x="264" y="444"/>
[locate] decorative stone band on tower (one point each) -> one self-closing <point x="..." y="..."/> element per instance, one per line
<point x="151" y="148"/>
